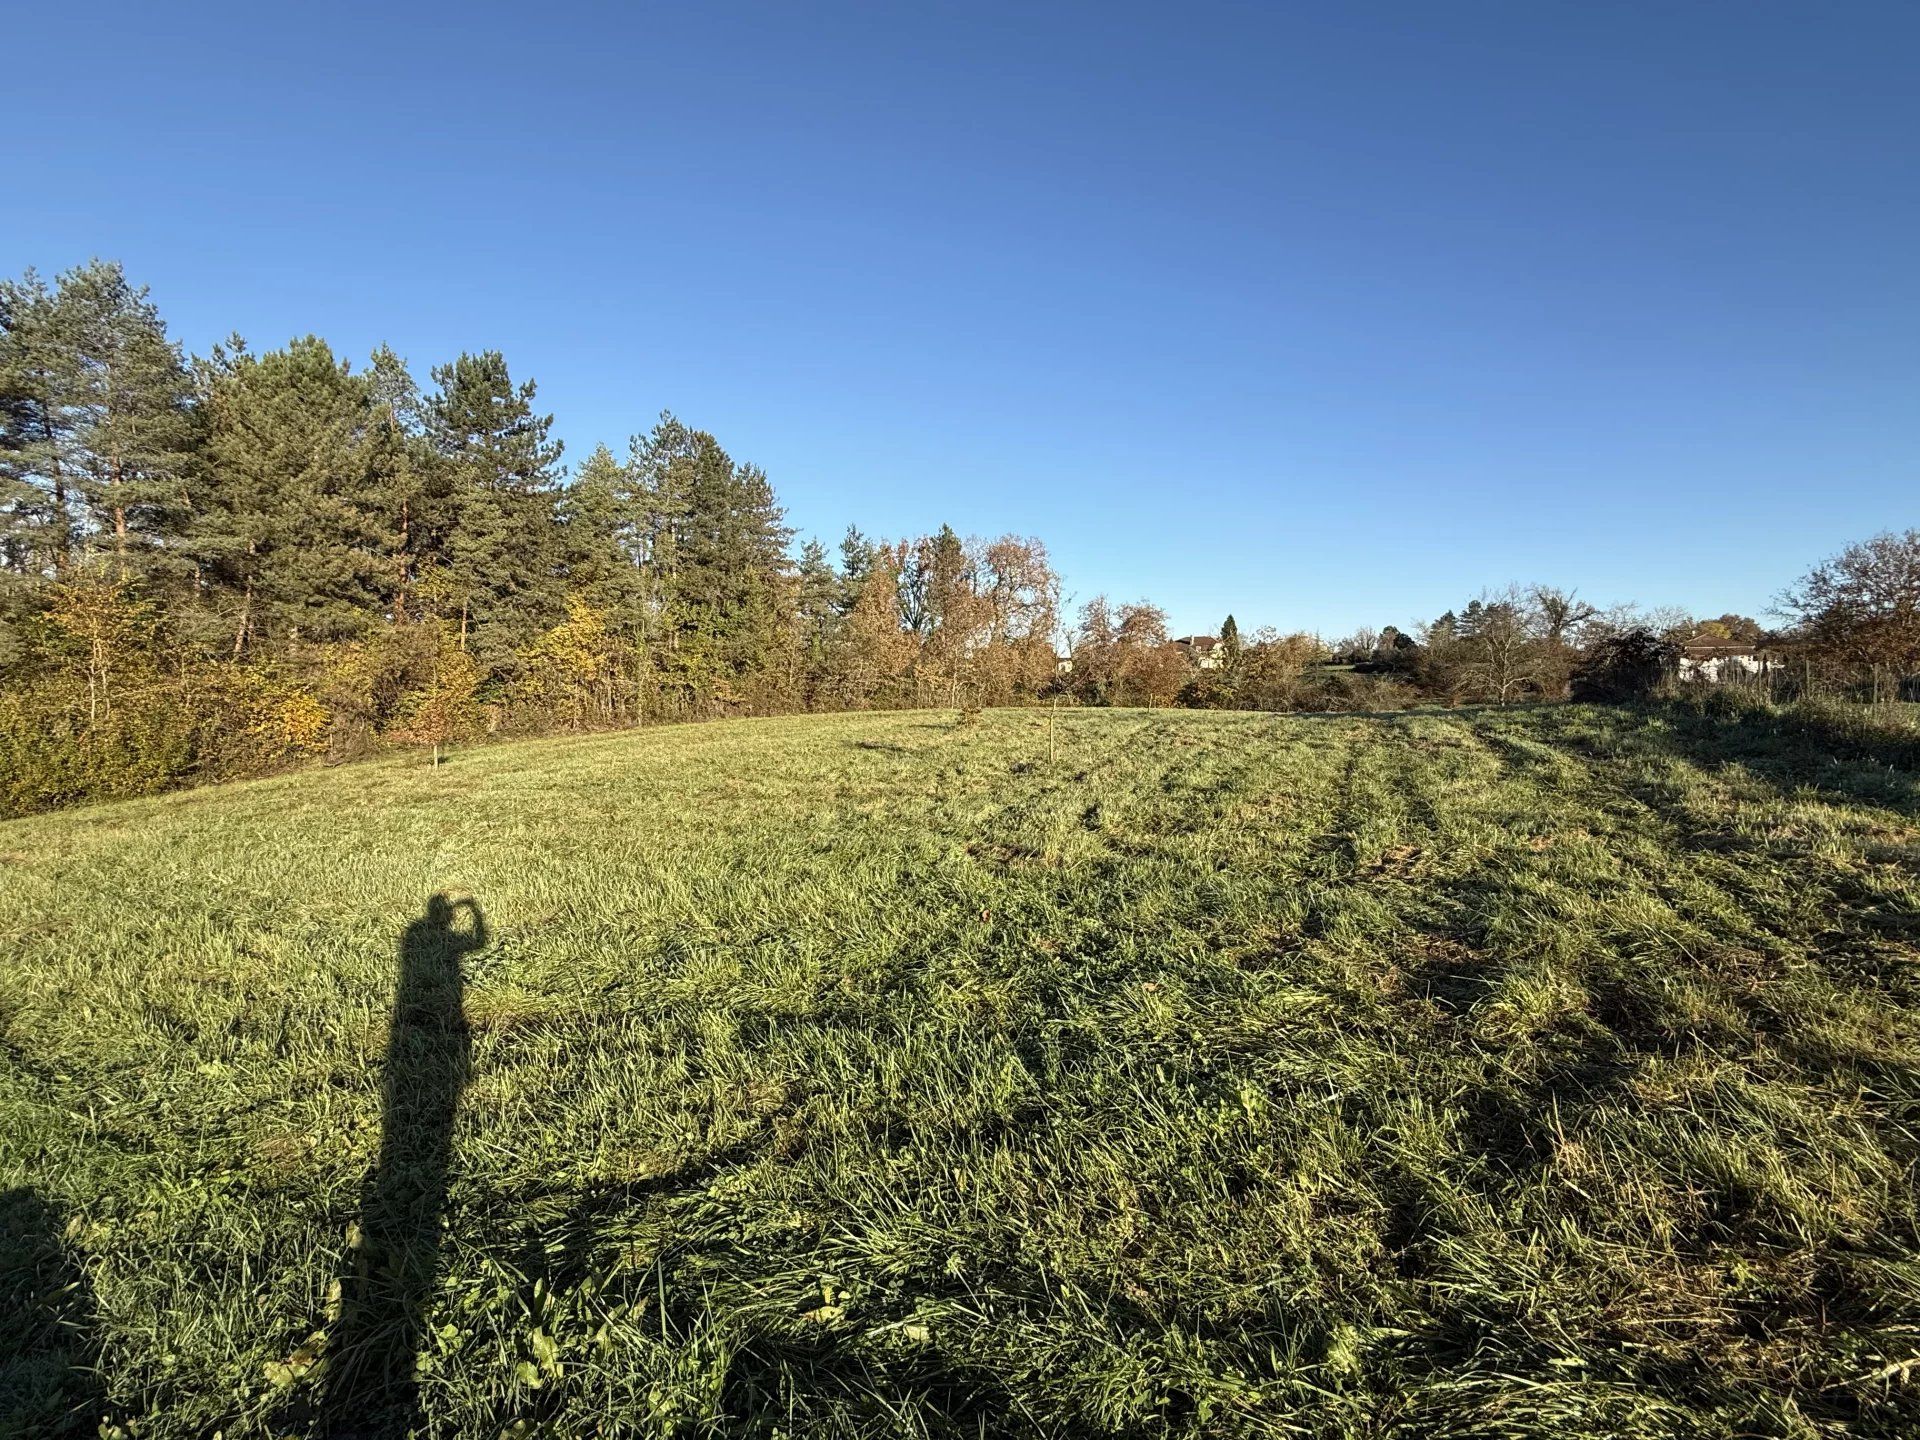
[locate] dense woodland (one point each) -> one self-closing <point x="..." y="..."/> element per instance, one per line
<point x="215" y="566"/>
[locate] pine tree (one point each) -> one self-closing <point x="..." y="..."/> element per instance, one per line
<point x="99" y="438"/>
<point x="713" y="542"/>
<point x="135" y="423"/>
<point x="817" y="598"/>
<point x="502" y="563"/>
<point x="289" y="535"/>
<point x="654" y="506"/>
<point x="35" y="432"/>
<point x="1230" y="647"/>
<point x="596" y="540"/>
<point x="392" y="388"/>
<point x="412" y="486"/>
<point x="856" y="563"/>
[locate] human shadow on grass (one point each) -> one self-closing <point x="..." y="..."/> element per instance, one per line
<point x="49" y="1377"/>
<point x="385" y="1292"/>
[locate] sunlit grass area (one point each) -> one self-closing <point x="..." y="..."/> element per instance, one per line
<point x="1542" y="1072"/>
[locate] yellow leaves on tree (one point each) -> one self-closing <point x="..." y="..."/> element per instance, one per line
<point x="446" y="709"/>
<point x="578" y="672"/>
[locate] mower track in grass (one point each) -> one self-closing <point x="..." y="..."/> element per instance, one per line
<point x="1542" y="1072"/>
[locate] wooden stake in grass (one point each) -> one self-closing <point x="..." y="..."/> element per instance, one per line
<point x="1053" y="716"/>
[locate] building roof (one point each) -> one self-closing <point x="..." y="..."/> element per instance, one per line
<point x="1198" y="642"/>
<point x="1709" y="647"/>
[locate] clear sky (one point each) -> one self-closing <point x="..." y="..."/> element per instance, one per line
<point x="1323" y="314"/>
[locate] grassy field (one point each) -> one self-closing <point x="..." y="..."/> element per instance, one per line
<point x="1540" y="1072"/>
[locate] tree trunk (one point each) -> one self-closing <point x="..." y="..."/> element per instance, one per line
<point x="246" y="621"/>
<point x="401" y="569"/>
<point x="62" y="530"/>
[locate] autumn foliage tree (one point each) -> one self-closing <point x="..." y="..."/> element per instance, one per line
<point x="446" y="708"/>
<point x="1862" y="606"/>
<point x="576" y="676"/>
<point x="873" y="648"/>
<point x="1122" y="655"/>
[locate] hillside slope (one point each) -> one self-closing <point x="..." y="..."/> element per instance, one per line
<point x="1521" y="1073"/>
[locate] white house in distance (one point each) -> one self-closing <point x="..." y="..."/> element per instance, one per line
<point x="1202" y="650"/>
<point x="1716" y="658"/>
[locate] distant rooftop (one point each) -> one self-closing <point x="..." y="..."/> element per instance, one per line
<point x="1705" y="647"/>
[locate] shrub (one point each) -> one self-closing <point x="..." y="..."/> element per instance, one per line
<point x="366" y="686"/>
<point x="446" y="709"/>
<point x="59" y="746"/>
<point x="1632" y="666"/>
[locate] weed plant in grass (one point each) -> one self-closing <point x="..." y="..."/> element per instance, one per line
<point x="1519" y="1073"/>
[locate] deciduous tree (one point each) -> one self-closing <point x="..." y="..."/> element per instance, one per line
<point x="1862" y="606"/>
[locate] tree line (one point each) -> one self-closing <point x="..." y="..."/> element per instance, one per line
<point x="214" y="566"/>
<point x="220" y="565"/>
<point x="1850" y="631"/>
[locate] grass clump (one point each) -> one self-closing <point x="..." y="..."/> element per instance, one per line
<point x="1520" y="1073"/>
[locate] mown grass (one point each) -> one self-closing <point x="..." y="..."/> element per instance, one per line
<point x="1520" y="1073"/>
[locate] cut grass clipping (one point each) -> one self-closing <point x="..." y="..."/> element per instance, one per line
<point x="1530" y="1073"/>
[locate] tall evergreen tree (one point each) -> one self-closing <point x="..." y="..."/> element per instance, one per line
<point x="714" y="546"/>
<point x="135" y="424"/>
<point x="502" y="567"/>
<point x="412" y="486"/>
<point x="733" y="560"/>
<point x="595" y="517"/>
<point x="1232" y="649"/>
<point x="817" y="596"/>
<point x="856" y="564"/>
<point x="289" y="534"/>
<point x="99" y="438"/>
<point x="35" y="432"/>
<point x="654" y="503"/>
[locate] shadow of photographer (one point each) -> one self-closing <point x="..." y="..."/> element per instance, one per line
<point x="387" y="1288"/>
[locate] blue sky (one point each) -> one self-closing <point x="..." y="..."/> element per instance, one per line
<point x="1323" y="314"/>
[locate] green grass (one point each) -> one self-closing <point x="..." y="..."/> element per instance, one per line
<point x="1542" y="1072"/>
